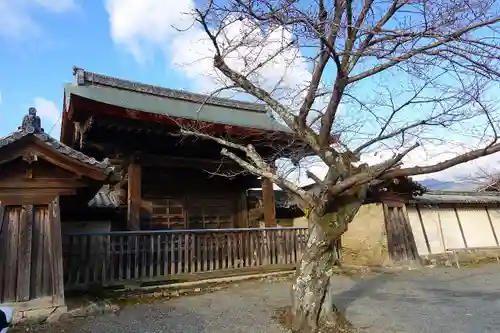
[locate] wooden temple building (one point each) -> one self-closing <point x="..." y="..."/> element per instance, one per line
<point x="167" y="180"/>
<point x="37" y="176"/>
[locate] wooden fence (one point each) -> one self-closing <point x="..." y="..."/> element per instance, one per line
<point x="115" y="258"/>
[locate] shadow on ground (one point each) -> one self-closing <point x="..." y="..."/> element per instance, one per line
<point x="364" y="287"/>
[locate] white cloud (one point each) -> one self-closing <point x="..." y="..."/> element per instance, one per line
<point x="16" y="16"/>
<point x="192" y="53"/>
<point x="142" y="26"/>
<point x="49" y="114"/>
<point x="16" y="21"/>
<point x="138" y="25"/>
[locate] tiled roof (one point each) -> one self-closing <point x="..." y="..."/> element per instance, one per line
<point x="173" y="103"/>
<point x="85" y="78"/>
<point x="453" y="197"/>
<point x="53" y="143"/>
<point x="105" y="198"/>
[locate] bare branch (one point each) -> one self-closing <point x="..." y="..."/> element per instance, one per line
<point x="420" y="170"/>
<point x="375" y="172"/>
<point x="314" y="177"/>
<point x="419" y="50"/>
<point x="257" y="166"/>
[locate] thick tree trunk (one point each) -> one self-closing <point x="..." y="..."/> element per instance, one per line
<point x="313" y="309"/>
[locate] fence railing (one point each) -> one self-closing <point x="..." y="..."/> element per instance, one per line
<point x="117" y="257"/>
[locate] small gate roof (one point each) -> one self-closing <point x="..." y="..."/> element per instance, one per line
<point x="31" y="129"/>
<point x="455" y="197"/>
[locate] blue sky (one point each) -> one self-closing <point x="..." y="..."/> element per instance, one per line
<point x="37" y="59"/>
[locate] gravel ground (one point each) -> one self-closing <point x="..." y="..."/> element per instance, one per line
<point x="434" y="300"/>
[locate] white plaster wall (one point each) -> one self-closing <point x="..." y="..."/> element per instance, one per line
<point x="432" y="225"/>
<point x="416" y="228"/>
<point x="476" y="227"/>
<point x="452" y="236"/>
<point x="443" y="229"/>
<point x="495" y="219"/>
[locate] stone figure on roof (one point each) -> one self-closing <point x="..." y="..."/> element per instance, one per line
<point x="31" y="122"/>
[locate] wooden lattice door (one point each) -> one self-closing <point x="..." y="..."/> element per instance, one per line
<point x="211" y="213"/>
<point x="167" y="213"/>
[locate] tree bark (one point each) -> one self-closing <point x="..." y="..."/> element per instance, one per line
<point x="313" y="309"/>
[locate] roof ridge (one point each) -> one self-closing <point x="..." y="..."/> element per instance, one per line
<point x="463" y="193"/>
<point x="84" y="77"/>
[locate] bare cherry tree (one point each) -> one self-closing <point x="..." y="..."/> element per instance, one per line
<point x="382" y="74"/>
<point x="482" y="178"/>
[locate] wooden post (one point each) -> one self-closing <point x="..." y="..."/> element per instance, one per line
<point x="134" y="196"/>
<point x="57" y="256"/>
<point x="269" y="203"/>
<point x="242" y="213"/>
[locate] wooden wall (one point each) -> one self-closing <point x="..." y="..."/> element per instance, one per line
<point x="31" y="254"/>
<point x="191" y="199"/>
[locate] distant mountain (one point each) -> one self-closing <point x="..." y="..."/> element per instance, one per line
<point x="440" y="185"/>
<point x="436" y="184"/>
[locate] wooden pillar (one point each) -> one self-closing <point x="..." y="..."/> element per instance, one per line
<point x="242" y="214"/>
<point x="134" y="196"/>
<point x="269" y="203"/>
<point x="57" y="256"/>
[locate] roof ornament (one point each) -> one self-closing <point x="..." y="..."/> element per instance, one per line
<point x="31" y="122"/>
<point x="79" y="74"/>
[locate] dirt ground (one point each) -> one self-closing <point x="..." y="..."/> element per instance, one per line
<point x="435" y="300"/>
